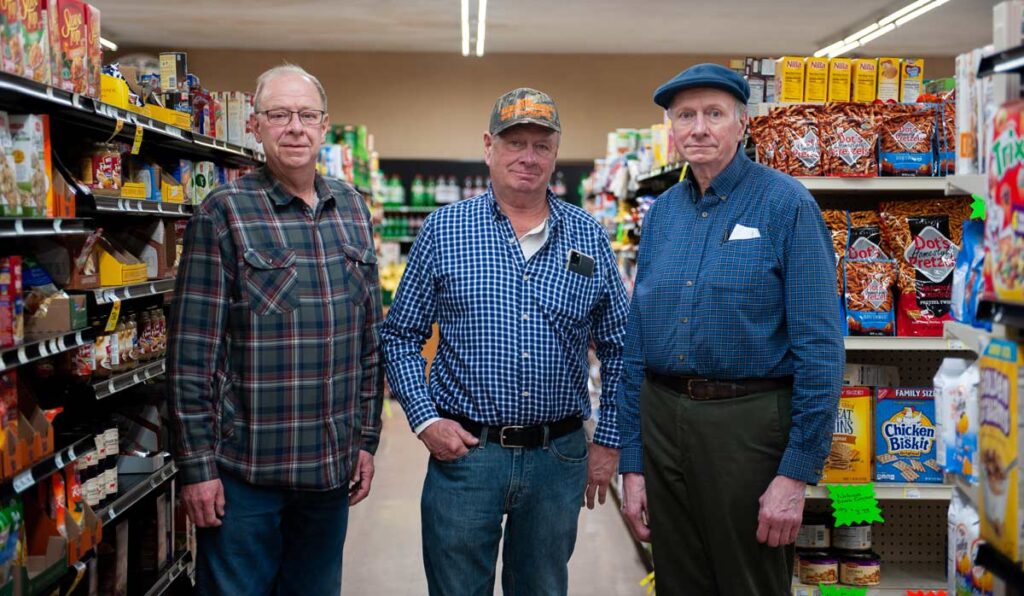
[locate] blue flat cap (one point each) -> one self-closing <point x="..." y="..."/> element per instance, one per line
<point x="703" y="75"/>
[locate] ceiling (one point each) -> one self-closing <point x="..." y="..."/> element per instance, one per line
<point x="709" y="27"/>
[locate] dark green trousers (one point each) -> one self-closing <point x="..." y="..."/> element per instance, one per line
<point x="706" y="464"/>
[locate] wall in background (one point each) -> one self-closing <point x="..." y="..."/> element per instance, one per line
<point x="437" y="105"/>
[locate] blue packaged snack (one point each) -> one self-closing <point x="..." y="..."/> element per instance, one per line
<point x="869" y="276"/>
<point x="907" y="141"/>
<point x="968" y="281"/>
<point x="905" y="440"/>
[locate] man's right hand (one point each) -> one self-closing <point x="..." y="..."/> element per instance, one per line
<point x="634" y="506"/>
<point x="204" y="502"/>
<point x="447" y="440"/>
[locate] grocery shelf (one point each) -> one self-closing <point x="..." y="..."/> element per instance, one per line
<point x="897" y="579"/>
<point x="20" y="227"/>
<point x="880" y="184"/>
<point x="966" y="489"/>
<point x="37" y="348"/>
<point x="1000" y="565"/>
<point x="973" y="338"/>
<point x="134" y="488"/>
<point x="403" y="239"/>
<point x="670" y="169"/>
<point x="972" y="184"/>
<point x="45" y="467"/>
<point x="894" y="491"/>
<point x="410" y="209"/>
<point x="178" y="566"/>
<point x="1011" y="315"/>
<point x="118" y="383"/>
<point x="1003" y="62"/>
<point x="910" y="344"/>
<point x="110" y="294"/>
<point x="115" y="204"/>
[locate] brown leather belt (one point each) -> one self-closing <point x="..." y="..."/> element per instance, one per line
<point x="701" y="389"/>
<point x="529" y="437"/>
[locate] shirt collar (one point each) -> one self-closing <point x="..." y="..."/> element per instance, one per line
<point x="555" y="207"/>
<point x="281" y="197"/>
<point x="726" y="181"/>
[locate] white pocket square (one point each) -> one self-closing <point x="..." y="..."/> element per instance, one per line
<point x="742" y="232"/>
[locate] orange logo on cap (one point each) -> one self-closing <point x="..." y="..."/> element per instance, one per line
<point x="528" y="108"/>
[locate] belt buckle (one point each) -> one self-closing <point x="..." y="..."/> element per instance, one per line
<point x="689" y="389"/>
<point x="501" y="435"/>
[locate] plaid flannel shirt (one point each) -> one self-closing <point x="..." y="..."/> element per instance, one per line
<point x="274" y="367"/>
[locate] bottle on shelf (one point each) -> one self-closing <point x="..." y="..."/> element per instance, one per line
<point x="417" y="191"/>
<point x="430" y="192"/>
<point x="478" y="186"/>
<point x="468" y="188"/>
<point x="396" y="192"/>
<point x="558" y="186"/>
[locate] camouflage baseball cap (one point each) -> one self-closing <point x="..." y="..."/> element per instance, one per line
<point x="524" y="106"/>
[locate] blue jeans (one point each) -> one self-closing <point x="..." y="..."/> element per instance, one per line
<point x="537" y="491"/>
<point x="273" y="541"/>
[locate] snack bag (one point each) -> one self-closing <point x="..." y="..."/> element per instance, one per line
<point x="799" y="151"/>
<point x="907" y="142"/>
<point x="849" y="134"/>
<point x="869" y="277"/>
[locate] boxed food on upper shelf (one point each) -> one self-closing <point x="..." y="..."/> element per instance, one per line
<point x="789" y="79"/>
<point x="1000" y="447"/>
<point x="94" y="61"/>
<point x="849" y="459"/>
<point x="35" y="40"/>
<point x="816" y="80"/>
<point x="1004" y="232"/>
<point x="69" y="45"/>
<point x="888" y="79"/>
<point x="32" y="163"/>
<point x="911" y="79"/>
<point x="11" y="34"/>
<point x="118" y="267"/>
<point x="840" y="78"/>
<point x="905" y="441"/>
<point x="865" y="80"/>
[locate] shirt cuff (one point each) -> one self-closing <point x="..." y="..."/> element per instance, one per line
<point x="371" y="440"/>
<point x="422" y="426"/>
<point x="631" y="459"/>
<point x="800" y="465"/>
<point x="197" y="468"/>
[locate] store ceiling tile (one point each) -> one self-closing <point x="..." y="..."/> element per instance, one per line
<point x="718" y="27"/>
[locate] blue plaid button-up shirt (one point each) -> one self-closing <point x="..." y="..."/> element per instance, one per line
<point x="716" y="301"/>
<point x="514" y="333"/>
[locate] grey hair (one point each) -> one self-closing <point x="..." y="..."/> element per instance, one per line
<point x="741" y="109"/>
<point x="284" y="69"/>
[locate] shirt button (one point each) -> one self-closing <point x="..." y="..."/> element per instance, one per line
<point x="526" y="278"/>
<point x="682" y="357"/>
<point x="526" y="394"/>
<point x="684" y="320"/>
<point x="704" y="215"/>
<point x="511" y="240"/>
<point x="526" y="354"/>
<point x="526" y="317"/>
<point x="689" y="282"/>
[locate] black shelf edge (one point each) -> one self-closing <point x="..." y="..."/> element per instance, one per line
<point x="44" y="468"/>
<point x="113" y="204"/>
<point x="118" y="383"/>
<point x="1000" y="565"/>
<point x="37" y="348"/>
<point x="109" y="294"/>
<point x="1011" y="315"/>
<point x="1004" y="62"/>
<point x="672" y="168"/>
<point x="21" y="227"/>
<point x="171" y="574"/>
<point x="137" y="493"/>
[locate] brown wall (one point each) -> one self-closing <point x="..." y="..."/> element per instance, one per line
<point x="437" y="105"/>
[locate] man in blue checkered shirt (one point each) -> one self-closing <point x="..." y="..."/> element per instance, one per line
<point x="733" y="356"/>
<point x="520" y="284"/>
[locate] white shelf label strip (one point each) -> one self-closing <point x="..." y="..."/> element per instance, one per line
<point x="23" y="481"/>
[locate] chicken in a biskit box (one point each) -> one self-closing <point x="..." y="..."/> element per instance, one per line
<point x="905" y="442"/>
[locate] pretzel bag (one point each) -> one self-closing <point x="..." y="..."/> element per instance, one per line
<point x="869" y="276"/>
<point x="907" y="143"/>
<point x="849" y="134"/>
<point x="799" y="142"/>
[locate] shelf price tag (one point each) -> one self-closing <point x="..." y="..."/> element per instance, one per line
<point x="829" y="590"/>
<point x="23" y="481"/>
<point x="138" y="139"/>
<point x="115" y="312"/>
<point x="854" y="503"/>
<point x="977" y="207"/>
<point x="648" y="583"/>
<point x="926" y="593"/>
<point x="118" y="127"/>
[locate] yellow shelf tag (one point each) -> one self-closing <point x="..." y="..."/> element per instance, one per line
<point x="138" y="139"/>
<point x="115" y="312"/>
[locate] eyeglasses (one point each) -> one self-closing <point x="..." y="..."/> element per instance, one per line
<point x="282" y="117"/>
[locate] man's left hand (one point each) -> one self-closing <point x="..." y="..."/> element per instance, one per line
<point x="362" y="477"/>
<point x="782" y="509"/>
<point x="601" y="466"/>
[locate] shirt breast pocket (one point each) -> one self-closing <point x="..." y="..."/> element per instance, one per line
<point x="577" y="298"/>
<point x="359" y="265"/>
<point x="271" y="280"/>
<point x="743" y="269"/>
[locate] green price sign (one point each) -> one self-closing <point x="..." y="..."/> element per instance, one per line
<point x="854" y="504"/>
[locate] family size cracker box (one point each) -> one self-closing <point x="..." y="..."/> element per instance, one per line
<point x="789" y="79"/>
<point x="865" y="77"/>
<point x="839" y="79"/>
<point x="816" y="80"/>
<point x="999" y="446"/>
<point x="905" y="440"/>
<point x="849" y="459"/>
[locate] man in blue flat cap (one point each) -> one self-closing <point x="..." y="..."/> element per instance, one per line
<point x="733" y="356"/>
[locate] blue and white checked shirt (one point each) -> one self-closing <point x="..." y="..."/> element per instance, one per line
<point x="707" y="306"/>
<point x="514" y="333"/>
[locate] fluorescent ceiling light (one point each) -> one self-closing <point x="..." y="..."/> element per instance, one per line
<point x="108" y="44"/>
<point x="862" y="32"/>
<point x="920" y="11"/>
<point x="877" y="34"/>
<point x="827" y="49"/>
<point x="481" y="27"/>
<point x="906" y="9"/>
<point x="465" y="27"/>
<point x="850" y="46"/>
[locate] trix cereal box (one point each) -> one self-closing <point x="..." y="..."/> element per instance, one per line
<point x="35" y="40"/>
<point x="69" y="45"/>
<point x="1004" y="214"/>
<point x="999" y="445"/>
<point x="905" y="440"/>
<point x="849" y="460"/>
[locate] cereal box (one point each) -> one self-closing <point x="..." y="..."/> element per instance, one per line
<point x="911" y="79"/>
<point x="849" y="460"/>
<point x="10" y="16"/>
<point x="905" y="441"/>
<point x="10" y="196"/>
<point x="94" y="63"/>
<point x="69" y="45"/>
<point x="865" y="76"/>
<point x="999" y="444"/>
<point x="1004" y="213"/>
<point x="35" y="40"/>
<point x="12" y="306"/>
<point x="888" y="79"/>
<point x="839" y="79"/>
<point x="816" y="80"/>
<point x="789" y="79"/>
<point x="32" y="163"/>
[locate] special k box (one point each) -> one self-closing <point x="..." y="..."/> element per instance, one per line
<point x="905" y="449"/>
<point x="911" y="79"/>
<point x="789" y="79"/>
<point x="865" y="76"/>
<point x="999" y="446"/>
<point x="839" y="79"/>
<point x="816" y="80"/>
<point x="888" y="79"/>
<point x="849" y="459"/>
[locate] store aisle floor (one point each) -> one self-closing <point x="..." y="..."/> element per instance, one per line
<point x="382" y="551"/>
